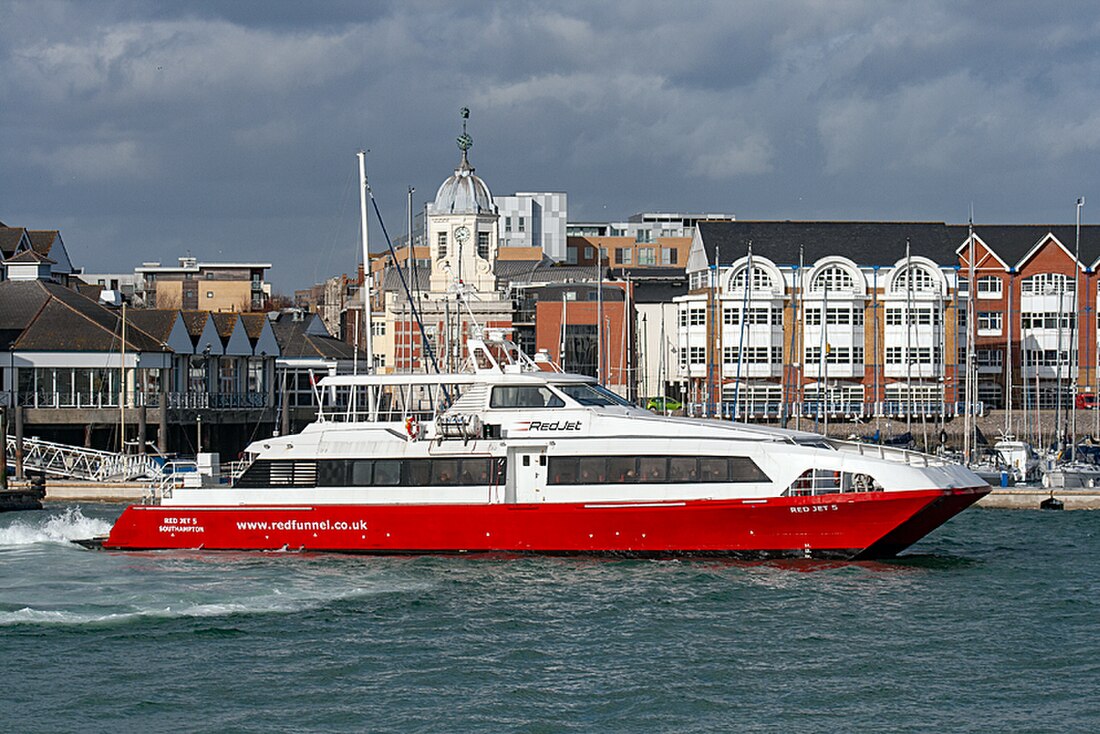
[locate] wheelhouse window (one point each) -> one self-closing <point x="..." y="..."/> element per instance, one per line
<point x="524" y="396"/>
<point x="593" y="395"/>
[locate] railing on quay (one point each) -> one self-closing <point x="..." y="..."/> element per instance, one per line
<point x="100" y="400"/>
<point x="836" y="410"/>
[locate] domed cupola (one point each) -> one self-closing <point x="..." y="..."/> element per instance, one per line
<point x="464" y="192"/>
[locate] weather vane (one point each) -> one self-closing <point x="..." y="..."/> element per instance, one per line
<point x="465" y="142"/>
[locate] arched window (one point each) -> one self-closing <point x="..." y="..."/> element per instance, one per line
<point x="1046" y="284"/>
<point x="761" y="280"/>
<point x="833" y="278"/>
<point x="918" y="278"/>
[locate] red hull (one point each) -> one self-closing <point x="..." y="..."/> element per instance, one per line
<point x="865" y="525"/>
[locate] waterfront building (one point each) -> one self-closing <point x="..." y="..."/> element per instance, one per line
<point x="47" y="252"/>
<point x="459" y="289"/>
<point x="861" y="319"/>
<point x="534" y="219"/>
<point x="211" y="286"/>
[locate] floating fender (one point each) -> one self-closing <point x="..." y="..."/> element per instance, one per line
<point x="1052" y="503"/>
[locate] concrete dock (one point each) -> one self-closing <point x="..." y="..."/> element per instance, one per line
<point x="1028" y="498"/>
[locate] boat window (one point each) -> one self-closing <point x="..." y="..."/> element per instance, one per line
<point x="683" y="469"/>
<point x="444" y="471"/>
<point x="591" y="469"/>
<point x="817" y="443"/>
<point x="654" y="469"/>
<point x="474" y="471"/>
<point x="713" y="470"/>
<point x="362" y="473"/>
<point x="416" y="473"/>
<point x="594" y="395"/>
<point x="744" y="469"/>
<point x="332" y="473"/>
<point x="524" y="396"/>
<point x="827" y="481"/>
<point x="621" y="469"/>
<point x="563" y="472"/>
<point x="387" y="472"/>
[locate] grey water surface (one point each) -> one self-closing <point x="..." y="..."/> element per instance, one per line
<point x="992" y="623"/>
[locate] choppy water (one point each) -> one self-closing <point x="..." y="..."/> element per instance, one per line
<point x="990" y="624"/>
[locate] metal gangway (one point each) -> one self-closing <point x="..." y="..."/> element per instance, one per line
<point x="76" y="462"/>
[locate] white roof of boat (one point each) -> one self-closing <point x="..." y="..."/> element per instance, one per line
<point x="456" y="378"/>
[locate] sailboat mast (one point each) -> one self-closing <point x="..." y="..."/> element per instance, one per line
<point x="368" y="336"/>
<point x="1008" y="360"/>
<point x="737" y="397"/>
<point x="122" y="387"/>
<point x="909" y="334"/>
<point x="599" y="315"/>
<point x="1077" y="311"/>
<point x="971" y="286"/>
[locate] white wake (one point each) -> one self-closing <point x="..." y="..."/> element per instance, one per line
<point x="57" y="528"/>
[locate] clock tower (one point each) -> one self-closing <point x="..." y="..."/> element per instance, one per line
<point x="462" y="228"/>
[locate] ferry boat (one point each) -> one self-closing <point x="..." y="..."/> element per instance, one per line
<point x="513" y="456"/>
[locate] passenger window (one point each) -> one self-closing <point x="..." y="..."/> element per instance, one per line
<point x="652" y="469"/>
<point x="444" y="471"/>
<point x="682" y="469"/>
<point x="621" y="469"/>
<point x="744" y="469"/>
<point x="713" y="470"/>
<point x="331" y="474"/>
<point x="563" y="471"/>
<point x="417" y="473"/>
<point x="592" y="469"/>
<point x="387" y="472"/>
<point x="524" y="397"/>
<point x="361" y="474"/>
<point x="474" y="471"/>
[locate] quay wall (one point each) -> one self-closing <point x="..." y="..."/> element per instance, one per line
<point x="991" y="425"/>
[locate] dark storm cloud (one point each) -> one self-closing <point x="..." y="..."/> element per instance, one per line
<point x="145" y="130"/>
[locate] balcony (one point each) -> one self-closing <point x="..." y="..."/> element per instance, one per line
<point x="176" y="400"/>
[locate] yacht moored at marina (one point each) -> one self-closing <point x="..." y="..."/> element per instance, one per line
<point x="512" y="457"/>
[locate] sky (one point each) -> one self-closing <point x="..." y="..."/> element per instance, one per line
<point x="145" y="131"/>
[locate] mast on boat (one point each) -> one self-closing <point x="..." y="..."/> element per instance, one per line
<point x="368" y="339"/>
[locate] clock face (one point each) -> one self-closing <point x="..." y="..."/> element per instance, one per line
<point x="462" y="234"/>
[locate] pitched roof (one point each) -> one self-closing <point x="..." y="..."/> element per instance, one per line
<point x="195" y="321"/>
<point x="10" y="237"/>
<point x="1012" y="242"/>
<point x="88" y="290"/>
<point x="224" y="322"/>
<point x="157" y="323"/>
<point x="20" y="302"/>
<point x="866" y="243"/>
<point x="295" y="341"/>
<point x="67" y="321"/>
<point x="42" y="239"/>
<point x="253" y="325"/>
<point x="30" y="256"/>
